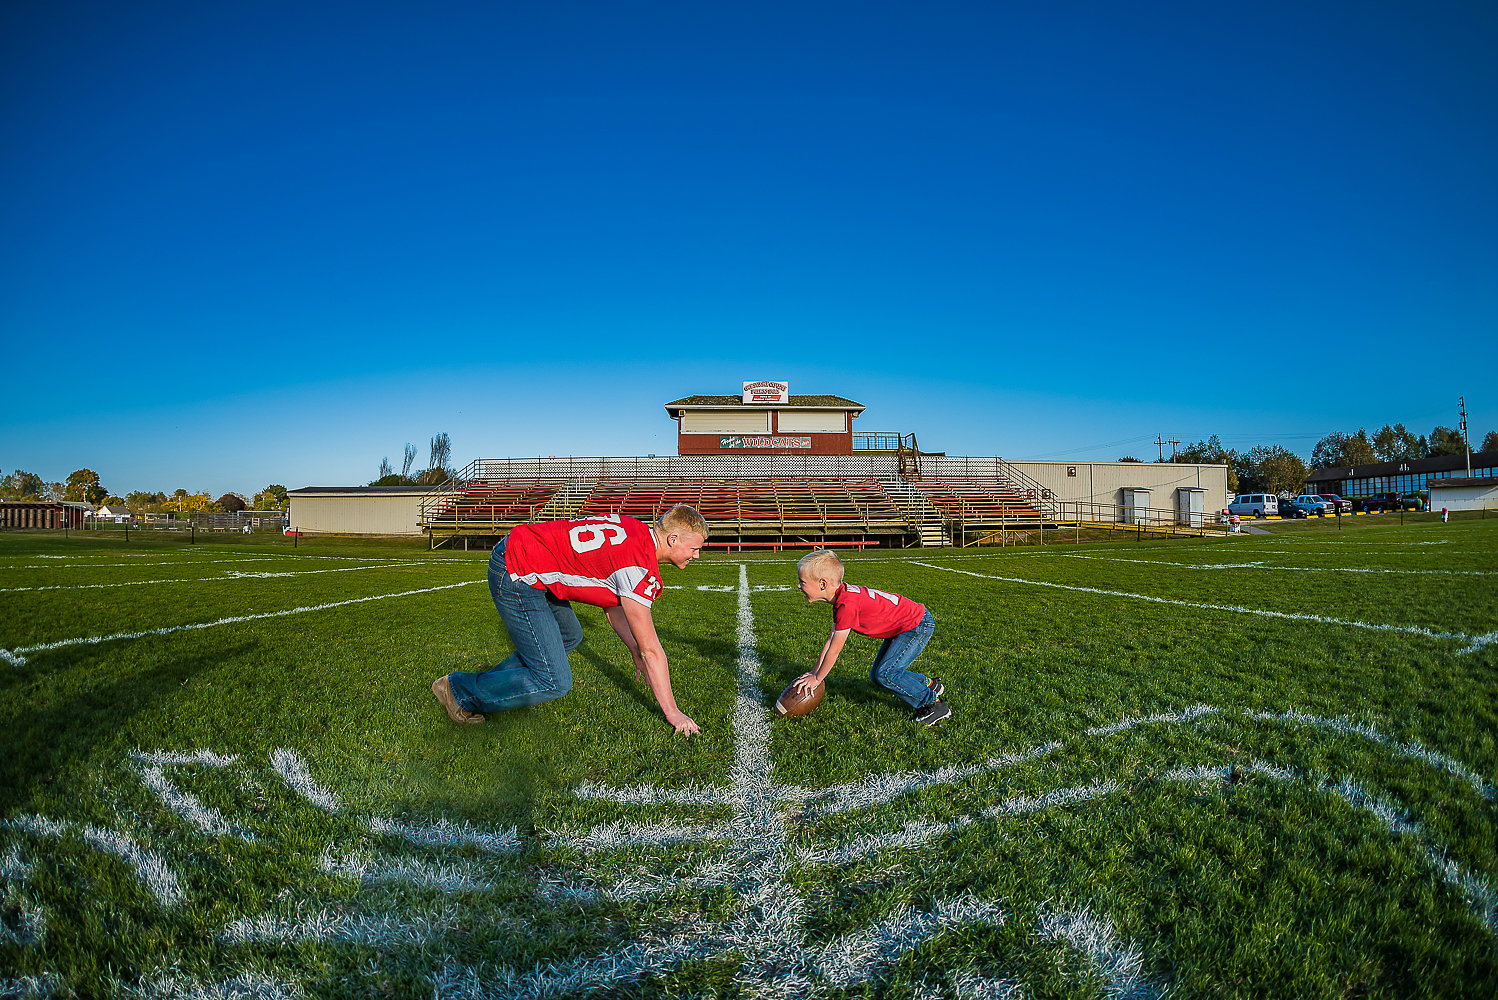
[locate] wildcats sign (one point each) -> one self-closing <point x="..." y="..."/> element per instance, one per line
<point x="762" y="441"/>
<point x="767" y="392"/>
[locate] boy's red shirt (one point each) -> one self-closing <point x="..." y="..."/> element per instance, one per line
<point x="597" y="560"/>
<point x="875" y="613"/>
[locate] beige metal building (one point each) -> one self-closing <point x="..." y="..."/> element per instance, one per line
<point x="356" y="510"/>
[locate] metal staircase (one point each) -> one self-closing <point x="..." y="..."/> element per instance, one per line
<point x="570" y="500"/>
<point x="924" y="519"/>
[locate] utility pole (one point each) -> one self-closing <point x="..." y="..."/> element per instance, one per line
<point x="1160" y="446"/>
<point x="1173" y="443"/>
<point x="1461" y="406"/>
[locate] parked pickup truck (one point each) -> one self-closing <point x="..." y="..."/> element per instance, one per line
<point x="1320" y="506"/>
<point x="1340" y="504"/>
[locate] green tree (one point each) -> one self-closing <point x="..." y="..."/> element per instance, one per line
<point x="1128" y="458"/>
<point x="139" y="501"/>
<point x="1392" y="444"/>
<point x="1210" y="452"/>
<point x="273" y="497"/>
<point x="1446" y="441"/>
<point x="83" y="487"/>
<point x="1490" y="443"/>
<point x="438" y="470"/>
<point x="21" y="485"/>
<point x="1277" y="469"/>
<point x="1338" y="449"/>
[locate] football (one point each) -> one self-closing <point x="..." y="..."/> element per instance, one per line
<point x="792" y="704"/>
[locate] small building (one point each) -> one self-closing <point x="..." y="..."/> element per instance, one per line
<point x="356" y="510"/>
<point x="765" y="419"/>
<point x="1408" y="475"/>
<point x="1476" y="493"/>
<point x="114" y="515"/>
<point x="43" y="514"/>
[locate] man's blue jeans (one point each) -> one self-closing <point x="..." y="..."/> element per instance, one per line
<point x="892" y="666"/>
<point x="544" y="630"/>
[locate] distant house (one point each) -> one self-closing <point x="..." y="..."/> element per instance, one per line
<point x="115" y="515"/>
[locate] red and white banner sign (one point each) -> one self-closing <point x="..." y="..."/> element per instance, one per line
<point x="767" y="392"/>
<point x="762" y="441"/>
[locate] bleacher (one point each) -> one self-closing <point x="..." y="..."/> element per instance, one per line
<point x="491" y="504"/>
<point x="780" y="501"/>
<point x="756" y="505"/>
<point x="978" y="501"/>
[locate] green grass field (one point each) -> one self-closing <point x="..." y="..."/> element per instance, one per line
<point x="1244" y="767"/>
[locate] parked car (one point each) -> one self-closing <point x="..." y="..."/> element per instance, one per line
<point x="1419" y="500"/>
<point x="1320" y="505"/>
<point x="1292" y="507"/>
<point x="1257" y="504"/>
<point x="1341" y="504"/>
<point x="1377" y="501"/>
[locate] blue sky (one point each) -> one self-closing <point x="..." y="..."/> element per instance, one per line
<point x="261" y="242"/>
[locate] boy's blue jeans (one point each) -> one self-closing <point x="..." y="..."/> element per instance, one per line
<point x="891" y="668"/>
<point x="544" y="630"/>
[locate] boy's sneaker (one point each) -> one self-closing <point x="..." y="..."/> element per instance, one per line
<point x="444" y="692"/>
<point x="930" y="715"/>
<point x="937" y="688"/>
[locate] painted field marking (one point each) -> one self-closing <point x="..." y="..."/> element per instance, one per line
<point x="1473" y="643"/>
<point x="30" y="919"/>
<point x="149" y="867"/>
<point x="17" y="657"/>
<point x="445" y="833"/>
<point x="230" y="575"/>
<point x="408" y="871"/>
<point x="372" y="931"/>
<point x="1264" y="564"/>
<point x="289" y="765"/>
<point x="189" y="808"/>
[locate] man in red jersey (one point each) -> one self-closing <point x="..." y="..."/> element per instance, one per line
<point x="535" y="573"/>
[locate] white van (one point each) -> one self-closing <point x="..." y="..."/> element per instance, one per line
<point x="1257" y="504"/>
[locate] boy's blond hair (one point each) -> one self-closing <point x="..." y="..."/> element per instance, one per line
<point x="681" y="519"/>
<point x="823" y="564"/>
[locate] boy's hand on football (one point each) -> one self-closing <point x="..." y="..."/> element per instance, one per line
<point x="807" y="683"/>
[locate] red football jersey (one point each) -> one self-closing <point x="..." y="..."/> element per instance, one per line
<point x="597" y="560"/>
<point x="875" y="613"/>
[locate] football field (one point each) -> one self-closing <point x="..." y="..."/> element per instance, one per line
<point x="1254" y="766"/>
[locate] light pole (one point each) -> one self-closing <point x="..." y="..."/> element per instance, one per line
<point x="1461" y="405"/>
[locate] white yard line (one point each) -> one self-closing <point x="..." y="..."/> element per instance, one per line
<point x="231" y="575"/>
<point x="17" y="657"/>
<point x="1264" y="565"/>
<point x="1473" y="642"/>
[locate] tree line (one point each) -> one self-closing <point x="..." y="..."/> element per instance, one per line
<point x="438" y="471"/>
<point x="1275" y="469"/>
<point x="83" y="486"/>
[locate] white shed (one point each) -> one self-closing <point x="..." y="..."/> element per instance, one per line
<point x="1477" y="493"/>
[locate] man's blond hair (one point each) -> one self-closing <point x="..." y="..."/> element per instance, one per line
<point x="823" y="564"/>
<point x="681" y="519"/>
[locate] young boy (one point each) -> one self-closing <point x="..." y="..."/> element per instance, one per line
<point x="904" y="625"/>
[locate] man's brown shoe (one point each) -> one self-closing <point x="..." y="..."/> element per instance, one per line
<point x="444" y="692"/>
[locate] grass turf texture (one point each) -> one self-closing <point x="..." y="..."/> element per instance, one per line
<point x="1150" y="785"/>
